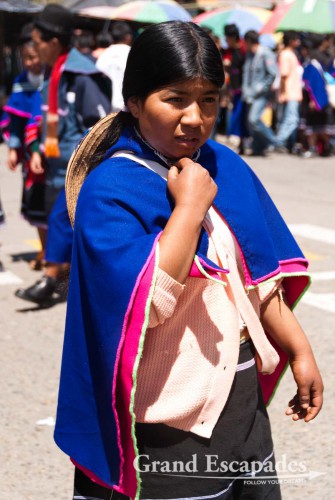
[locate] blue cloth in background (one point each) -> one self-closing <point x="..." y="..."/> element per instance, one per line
<point x="60" y="233"/>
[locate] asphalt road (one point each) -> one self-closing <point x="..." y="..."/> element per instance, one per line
<point x="33" y="468"/>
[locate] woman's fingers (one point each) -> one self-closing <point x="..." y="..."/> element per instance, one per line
<point x="191" y="186"/>
<point x="303" y="412"/>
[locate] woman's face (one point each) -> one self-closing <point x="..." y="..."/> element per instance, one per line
<point x="177" y="119"/>
<point x="31" y="60"/>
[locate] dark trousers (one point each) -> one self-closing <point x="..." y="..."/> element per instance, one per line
<point x="85" y="488"/>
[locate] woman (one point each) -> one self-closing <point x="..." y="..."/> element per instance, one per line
<point x="159" y="369"/>
<point x="20" y="123"/>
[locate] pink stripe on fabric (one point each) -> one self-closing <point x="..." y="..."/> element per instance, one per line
<point x="127" y="353"/>
<point x="4" y="123"/>
<point x="194" y="271"/>
<point x="290" y="266"/>
<point x="312" y="96"/>
<point x="301" y="260"/>
<point x="34" y="125"/>
<point x="266" y="276"/>
<point x="211" y="269"/>
<point x="16" y="112"/>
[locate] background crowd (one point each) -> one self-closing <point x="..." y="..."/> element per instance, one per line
<point x="275" y="100"/>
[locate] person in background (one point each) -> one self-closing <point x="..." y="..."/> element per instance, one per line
<point x="84" y="42"/>
<point x="259" y="73"/>
<point x="112" y="61"/>
<point x="103" y="40"/>
<point x="322" y="51"/>
<point x="290" y="92"/>
<point x="2" y="223"/>
<point x="233" y="62"/>
<point x="221" y="121"/>
<point x="74" y="98"/>
<point x="20" y="128"/>
<point x="316" y="121"/>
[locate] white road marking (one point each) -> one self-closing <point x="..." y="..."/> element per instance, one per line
<point x="312" y="232"/>
<point x="324" y="301"/>
<point x="323" y="276"/>
<point x="9" y="278"/>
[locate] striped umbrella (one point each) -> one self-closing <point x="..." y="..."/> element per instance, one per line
<point x="151" y="11"/>
<point x="314" y="16"/>
<point x="99" y="12"/>
<point x="248" y="18"/>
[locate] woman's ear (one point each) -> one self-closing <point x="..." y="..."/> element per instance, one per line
<point x="133" y="105"/>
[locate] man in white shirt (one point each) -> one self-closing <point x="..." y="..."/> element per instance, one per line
<point x="113" y="60"/>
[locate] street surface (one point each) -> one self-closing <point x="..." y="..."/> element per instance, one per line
<point x="33" y="468"/>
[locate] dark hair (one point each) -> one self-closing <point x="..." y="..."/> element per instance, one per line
<point x="168" y="52"/>
<point x="252" y="37"/>
<point x="208" y="30"/>
<point x="317" y="39"/>
<point x="84" y="40"/>
<point x="46" y="36"/>
<point x="55" y="21"/>
<point x="232" y="30"/>
<point x="289" y="36"/>
<point x="307" y="43"/>
<point x="120" y="30"/>
<point x="104" y="39"/>
<point x="25" y="35"/>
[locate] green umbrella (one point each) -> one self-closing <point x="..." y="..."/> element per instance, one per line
<point x="315" y="16"/>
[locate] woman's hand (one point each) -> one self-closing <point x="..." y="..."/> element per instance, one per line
<point x="191" y="186"/>
<point x="36" y="164"/>
<point x="193" y="191"/>
<point x="307" y="403"/>
<point x="12" y="159"/>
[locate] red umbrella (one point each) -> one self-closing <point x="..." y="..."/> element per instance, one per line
<point x="277" y="15"/>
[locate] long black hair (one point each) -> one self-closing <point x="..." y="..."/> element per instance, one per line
<point x="168" y="52"/>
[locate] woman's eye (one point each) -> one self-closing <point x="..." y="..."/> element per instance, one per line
<point x="174" y="99"/>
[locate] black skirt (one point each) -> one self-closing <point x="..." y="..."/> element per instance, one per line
<point x="181" y="465"/>
<point x="232" y="464"/>
<point x="33" y="197"/>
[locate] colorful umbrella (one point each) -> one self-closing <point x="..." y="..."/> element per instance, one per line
<point x="315" y="16"/>
<point x="251" y="18"/>
<point x="99" y="12"/>
<point x="151" y="11"/>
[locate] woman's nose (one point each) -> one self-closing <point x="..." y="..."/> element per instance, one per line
<point x="192" y="115"/>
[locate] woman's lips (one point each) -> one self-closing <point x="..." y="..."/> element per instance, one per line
<point x="187" y="141"/>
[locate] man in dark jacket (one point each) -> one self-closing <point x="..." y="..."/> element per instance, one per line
<point x="76" y="95"/>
